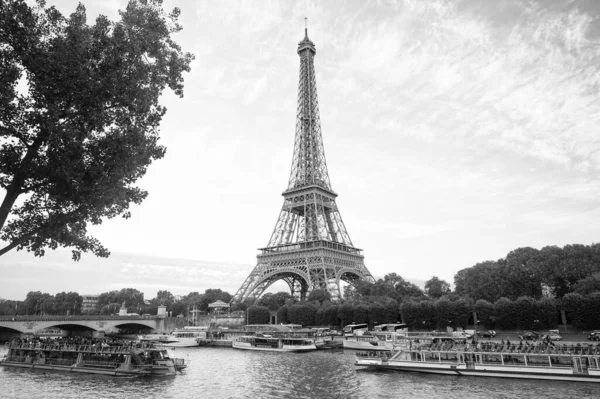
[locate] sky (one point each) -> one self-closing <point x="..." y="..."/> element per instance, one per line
<point x="454" y="132"/>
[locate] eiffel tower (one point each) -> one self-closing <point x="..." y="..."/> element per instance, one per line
<point x="310" y="247"/>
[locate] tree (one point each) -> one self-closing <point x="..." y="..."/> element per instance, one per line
<point x="549" y="314"/>
<point x="133" y="299"/>
<point x="302" y="313"/>
<point x="588" y="285"/>
<point x="164" y="297"/>
<point x="212" y="295"/>
<point x="345" y="313"/>
<point x="34" y="302"/>
<point x="482" y="281"/>
<point x="504" y="311"/>
<point x="361" y="314"/>
<point x="274" y="301"/>
<point x="521" y="274"/>
<point x="67" y="303"/>
<point x="485" y="313"/>
<point x="282" y="315"/>
<point x="436" y="288"/>
<point x="73" y="145"/>
<point x="527" y="313"/>
<point x="258" y="315"/>
<point x="320" y="295"/>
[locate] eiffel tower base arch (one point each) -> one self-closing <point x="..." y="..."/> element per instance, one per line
<point x="304" y="268"/>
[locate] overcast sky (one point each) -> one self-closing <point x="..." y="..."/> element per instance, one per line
<point x="454" y="132"/>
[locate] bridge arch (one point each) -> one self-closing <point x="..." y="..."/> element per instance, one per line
<point x="34" y="324"/>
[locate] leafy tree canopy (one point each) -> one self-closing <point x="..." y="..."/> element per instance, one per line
<point x="320" y="295"/>
<point x="274" y="301"/>
<point x="436" y="288"/>
<point x="73" y="144"/>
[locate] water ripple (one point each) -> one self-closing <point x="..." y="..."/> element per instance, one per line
<point x="235" y="374"/>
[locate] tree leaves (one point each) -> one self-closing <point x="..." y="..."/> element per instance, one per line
<point x="73" y="146"/>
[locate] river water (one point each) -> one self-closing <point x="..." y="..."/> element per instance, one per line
<point x="232" y="373"/>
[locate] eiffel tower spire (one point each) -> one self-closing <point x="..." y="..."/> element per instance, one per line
<point x="310" y="247"/>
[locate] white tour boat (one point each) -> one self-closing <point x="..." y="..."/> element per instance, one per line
<point x="436" y="355"/>
<point x="180" y="338"/>
<point x="357" y="336"/>
<point x="262" y="342"/>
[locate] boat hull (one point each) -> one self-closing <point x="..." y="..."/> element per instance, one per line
<point x="284" y="348"/>
<point x="534" y="373"/>
<point x="73" y="369"/>
<point x="215" y="342"/>
<point x="367" y="345"/>
<point x="180" y="344"/>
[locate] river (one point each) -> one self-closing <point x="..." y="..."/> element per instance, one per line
<point x="231" y="373"/>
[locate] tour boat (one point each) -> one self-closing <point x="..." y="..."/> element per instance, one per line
<point x="156" y="338"/>
<point x="261" y="342"/>
<point x="219" y="337"/>
<point x="121" y="360"/>
<point x="436" y="355"/>
<point x="183" y="337"/>
<point x="356" y="336"/>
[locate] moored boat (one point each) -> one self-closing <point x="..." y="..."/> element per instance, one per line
<point x="156" y="338"/>
<point x="261" y="342"/>
<point x="436" y="355"/>
<point x="180" y="338"/>
<point x="115" y="359"/>
<point x="357" y="336"/>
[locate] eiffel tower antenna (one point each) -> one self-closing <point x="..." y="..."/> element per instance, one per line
<point x="310" y="248"/>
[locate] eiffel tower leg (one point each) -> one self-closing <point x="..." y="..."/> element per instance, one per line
<point x="298" y="287"/>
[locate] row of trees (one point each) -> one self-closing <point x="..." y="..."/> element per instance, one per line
<point x="325" y="312"/>
<point x="110" y="302"/>
<point x="449" y="311"/>
<point x="38" y="303"/>
<point x="63" y="303"/>
<point x="527" y="271"/>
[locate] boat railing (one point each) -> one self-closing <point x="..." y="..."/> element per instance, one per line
<point x="19" y="359"/>
<point x="374" y="354"/>
<point x="73" y="348"/>
<point x="101" y="363"/>
<point x="521" y="348"/>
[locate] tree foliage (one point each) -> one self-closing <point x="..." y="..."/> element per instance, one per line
<point x="258" y="315"/>
<point x="131" y="297"/>
<point x="63" y="303"/>
<point x="436" y="288"/>
<point x="302" y="313"/>
<point x="588" y="285"/>
<point x="274" y="301"/>
<point x="525" y="271"/>
<point x="86" y="128"/>
<point x="320" y="295"/>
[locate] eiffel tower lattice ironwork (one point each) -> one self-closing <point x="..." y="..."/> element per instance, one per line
<point x="310" y="247"/>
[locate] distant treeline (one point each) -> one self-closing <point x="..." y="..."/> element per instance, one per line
<point x="450" y="311"/>
<point x="38" y="303"/>
<point x="530" y="272"/>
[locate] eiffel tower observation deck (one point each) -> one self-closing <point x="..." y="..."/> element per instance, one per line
<point x="310" y="248"/>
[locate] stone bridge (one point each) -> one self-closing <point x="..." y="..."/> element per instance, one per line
<point x="135" y="324"/>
